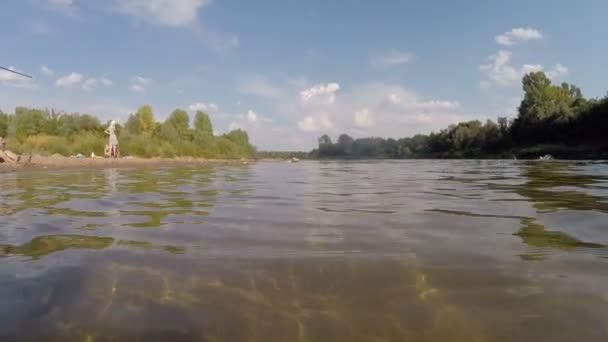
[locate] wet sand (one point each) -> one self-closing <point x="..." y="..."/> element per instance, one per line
<point x="39" y="162"/>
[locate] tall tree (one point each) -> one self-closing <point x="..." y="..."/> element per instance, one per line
<point x="142" y="121"/>
<point x="543" y="101"/>
<point x="202" y="123"/>
<point x="4" y="121"/>
<point x="324" y="140"/>
<point x="179" y="119"/>
<point x="27" y="122"/>
<point x="176" y="126"/>
<point x="345" y="143"/>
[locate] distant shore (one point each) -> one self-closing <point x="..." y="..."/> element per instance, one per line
<point x="39" y="162"/>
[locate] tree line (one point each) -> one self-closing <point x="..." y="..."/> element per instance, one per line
<point x="49" y="132"/>
<point x="552" y="119"/>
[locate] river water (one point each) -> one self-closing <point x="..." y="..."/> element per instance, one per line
<point x="314" y="251"/>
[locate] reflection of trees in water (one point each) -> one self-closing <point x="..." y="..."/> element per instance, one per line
<point x="536" y="235"/>
<point x="7" y="190"/>
<point x="182" y="191"/>
<point x="543" y="176"/>
<point x="44" y="245"/>
<point x="44" y="191"/>
<point x="102" y="200"/>
<point x="542" y="180"/>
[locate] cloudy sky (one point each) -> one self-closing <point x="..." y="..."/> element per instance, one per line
<point x="288" y="71"/>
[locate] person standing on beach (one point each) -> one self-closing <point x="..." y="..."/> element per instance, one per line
<point x="6" y="155"/>
<point x="113" y="140"/>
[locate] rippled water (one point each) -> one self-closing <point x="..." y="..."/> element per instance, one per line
<point x="315" y="251"/>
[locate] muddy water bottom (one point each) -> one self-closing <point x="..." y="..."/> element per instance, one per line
<point x="356" y="251"/>
<point x="323" y="299"/>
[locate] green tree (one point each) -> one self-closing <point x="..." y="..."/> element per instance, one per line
<point x="27" y="122"/>
<point x="4" y="122"/>
<point x="175" y="131"/>
<point x="142" y="121"/>
<point x="239" y="137"/>
<point x="48" y="131"/>
<point x="240" y="141"/>
<point x="324" y="140"/>
<point x="543" y="101"/>
<point x="178" y="121"/>
<point x="202" y="123"/>
<point x="503" y="125"/>
<point x="345" y="143"/>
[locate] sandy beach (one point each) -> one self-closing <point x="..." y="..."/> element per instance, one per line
<point x="39" y="162"/>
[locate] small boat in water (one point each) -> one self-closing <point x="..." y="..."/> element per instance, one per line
<point x="293" y="160"/>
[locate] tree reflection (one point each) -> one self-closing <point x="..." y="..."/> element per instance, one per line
<point x="552" y="187"/>
<point x="44" y="245"/>
<point x="178" y="191"/>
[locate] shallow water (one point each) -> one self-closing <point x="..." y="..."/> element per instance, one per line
<point x="315" y="251"/>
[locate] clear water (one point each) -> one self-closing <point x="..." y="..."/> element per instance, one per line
<point x="314" y="251"/>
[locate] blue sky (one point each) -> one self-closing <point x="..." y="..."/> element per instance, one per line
<point x="288" y="71"/>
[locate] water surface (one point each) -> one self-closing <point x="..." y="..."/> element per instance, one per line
<point x="315" y="251"/>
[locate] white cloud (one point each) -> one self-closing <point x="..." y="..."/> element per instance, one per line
<point x="325" y="94"/>
<point x="172" y="13"/>
<point x="47" y="71"/>
<point x="518" y="35"/>
<point x="557" y="71"/>
<point x="393" y="98"/>
<point x="315" y="124"/>
<point x="234" y="125"/>
<point x="392" y="58"/>
<point x="368" y="109"/>
<point x="205" y="107"/>
<point x="252" y="116"/>
<point x="13" y="80"/>
<point x="107" y="82"/>
<point x="500" y="71"/>
<point x="74" y="79"/>
<point x="69" y="81"/>
<point x="409" y="101"/>
<point x="178" y="14"/>
<point x="90" y="83"/>
<point x="380" y="109"/>
<point x="141" y="80"/>
<point x="138" y="88"/>
<point x="363" y="118"/>
<point x="438" y="105"/>
<point x="139" y="84"/>
<point x="258" y="127"/>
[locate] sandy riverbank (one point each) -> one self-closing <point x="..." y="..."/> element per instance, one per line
<point x="39" y="162"/>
